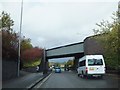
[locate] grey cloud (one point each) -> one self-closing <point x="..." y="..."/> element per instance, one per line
<point x="55" y="24"/>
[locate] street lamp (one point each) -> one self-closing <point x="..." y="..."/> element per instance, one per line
<point x="18" y="73"/>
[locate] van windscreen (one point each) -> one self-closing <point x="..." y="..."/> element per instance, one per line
<point x="95" y="62"/>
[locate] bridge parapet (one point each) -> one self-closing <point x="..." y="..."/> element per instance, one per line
<point x="66" y="50"/>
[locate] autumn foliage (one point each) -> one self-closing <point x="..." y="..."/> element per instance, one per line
<point x="10" y="42"/>
<point x="32" y="54"/>
<point x="9" y="38"/>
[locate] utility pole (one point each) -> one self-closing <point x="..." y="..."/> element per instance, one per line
<point x="119" y="12"/>
<point x="18" y="73"/>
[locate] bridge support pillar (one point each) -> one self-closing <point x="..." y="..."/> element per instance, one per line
<point x="41" y="65"/>
<point x="45" y="63"/>
<point x="45" y="71"/>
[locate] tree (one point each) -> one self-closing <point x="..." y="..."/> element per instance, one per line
<point x="25" y="44"/>
<point x="9" y="37"/>
<point x="109" y="38"/>
<point x="10" y="40"/>
<point x="32" y="55"/>
<point x="69" y="63"/>
<point x="7" y="22"/>
<point x="57" y="64"/>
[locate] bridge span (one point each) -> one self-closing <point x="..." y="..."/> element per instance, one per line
<point x="77" y="50"/>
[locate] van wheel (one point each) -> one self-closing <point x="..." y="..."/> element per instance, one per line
<point x="82" y="75"/>
<point x="85" y="76"/>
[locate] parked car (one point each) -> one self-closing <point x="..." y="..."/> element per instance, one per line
<point x="50" y="69"/>
<point x="91" y="65"/>
<point x="57" y="70"/>
<point x="37" y="68"/>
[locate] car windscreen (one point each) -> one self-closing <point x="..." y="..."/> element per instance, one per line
<point x="95" y="62"/>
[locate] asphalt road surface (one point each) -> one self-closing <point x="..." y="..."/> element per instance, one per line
<point x="69" y="79"/>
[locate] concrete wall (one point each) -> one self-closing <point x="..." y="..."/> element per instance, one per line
<point x="9" y="69"/>
<point x="30" y="69"/>
<point x="92" y="46"/>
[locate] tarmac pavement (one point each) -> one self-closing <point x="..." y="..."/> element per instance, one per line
<point x="26" y="80"/>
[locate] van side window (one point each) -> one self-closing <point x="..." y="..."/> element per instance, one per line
<point x="82" y="63"/>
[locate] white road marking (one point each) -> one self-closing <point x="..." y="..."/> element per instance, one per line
<point x="39" y="85"/>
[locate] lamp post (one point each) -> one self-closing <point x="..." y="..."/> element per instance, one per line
<point x="119" y="12"/>
<point x="18" y="73"/>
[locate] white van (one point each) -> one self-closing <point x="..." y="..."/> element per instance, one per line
<point x="91" y="65"/>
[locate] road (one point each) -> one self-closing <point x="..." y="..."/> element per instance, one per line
<point x="70" y="79"/>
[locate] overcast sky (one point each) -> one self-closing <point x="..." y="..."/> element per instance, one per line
<point x="54" y="23"/>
